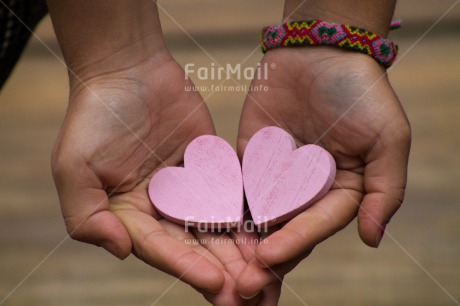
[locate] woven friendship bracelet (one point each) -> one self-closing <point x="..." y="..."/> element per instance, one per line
<point x="318" y="32"/>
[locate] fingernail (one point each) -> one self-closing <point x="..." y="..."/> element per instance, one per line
<point x="249" y="297"/>
<point x="380" y="235"/>
<point x="112" y="248"/>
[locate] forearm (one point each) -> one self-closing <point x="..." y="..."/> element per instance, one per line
<point x="105" y="35"/>
<point x="372" y="15"/>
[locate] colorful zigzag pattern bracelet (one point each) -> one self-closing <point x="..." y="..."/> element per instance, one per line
<point x="319" y="32"/>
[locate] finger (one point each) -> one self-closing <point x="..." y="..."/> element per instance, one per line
<point x="246" y="237"/>
<point x="224" y="248"/>
<point x="266" y="232"/>
<point x="186" y="236"/>
<point x="157" y="247"/>
<point x="84" y="206"/>
<point x="255" y="278"/>
<point x="246" y="242"/>
<point x="385" y="178"/>
<point x="306" y="230"/>
<point x="228" y="295"/>
<point x="271" y="294"/>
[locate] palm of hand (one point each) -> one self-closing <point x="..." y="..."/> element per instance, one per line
<point x="343" y="102"/>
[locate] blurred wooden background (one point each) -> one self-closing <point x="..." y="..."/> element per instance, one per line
<point x="418" y="262"/>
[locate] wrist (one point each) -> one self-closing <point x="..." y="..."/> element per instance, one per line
<point x="124" y="63"/>
<point x="117" y="72"/>
<point x="374" y="16"/>
<point x="101" y="36"/>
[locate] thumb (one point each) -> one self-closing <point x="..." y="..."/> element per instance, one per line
<point x="85" y="208"/>
<point x="385" y="179"/>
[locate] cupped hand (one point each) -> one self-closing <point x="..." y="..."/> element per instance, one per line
<point x="123" y="125"/>
<point x="343" y="102"/>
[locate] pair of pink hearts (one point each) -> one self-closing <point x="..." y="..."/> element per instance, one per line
<point x="279" y="181"/>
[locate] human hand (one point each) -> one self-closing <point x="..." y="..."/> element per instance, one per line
<point x="344" y="102"/>
<point x="120" y="127"/>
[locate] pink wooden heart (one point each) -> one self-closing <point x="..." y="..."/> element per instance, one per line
<point x="279" y="180"/>
<point x="207" y="191"/>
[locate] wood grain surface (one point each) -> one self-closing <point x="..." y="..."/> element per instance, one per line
<point x="206" y="192"/>
<point x="281" y="180"/>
